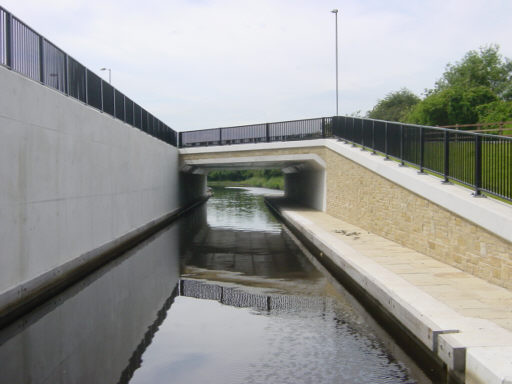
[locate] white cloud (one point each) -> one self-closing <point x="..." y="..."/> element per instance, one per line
<point x="197" y="64"/>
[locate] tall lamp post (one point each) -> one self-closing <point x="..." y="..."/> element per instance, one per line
<point x="335" y="11"/>
<point x="109" y="74"/>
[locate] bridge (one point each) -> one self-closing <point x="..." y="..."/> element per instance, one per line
<point x="86" y="172"/>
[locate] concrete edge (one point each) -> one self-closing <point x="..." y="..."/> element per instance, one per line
<point x="26" y="296"/>
<point x="488" y="365"/>
<point x="295" y="158"/>
<point x="464" y="347"/>
<point x="254" y="146"/>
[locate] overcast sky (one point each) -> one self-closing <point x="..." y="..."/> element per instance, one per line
<point x="208" y="63"/>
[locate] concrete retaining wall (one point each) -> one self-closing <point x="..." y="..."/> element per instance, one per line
<point x="73" y="179"/>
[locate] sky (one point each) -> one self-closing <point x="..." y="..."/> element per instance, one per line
<point x="208" y="63"/>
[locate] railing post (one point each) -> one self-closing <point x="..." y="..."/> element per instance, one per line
<point x="41" y="59"/>
<point x="362" y="134"/>
<point x="267" y="132"/>
<point x="422" y="149"/>
<point x="373" y="138"/>
<point x="446" y="157"/>
<point x="386" y="149"/>
<point x="66" y="74"/>
<point x="8" y="40"/>
<point x="179" y="138"/>
<point x="87" y="89"/>
<point x="101" y="93"/>
<point x="353" y="133"/>
<point x="478" y="166"/>
<point x="220" y="136"/>
<point x="323" y="127"/>
<point x="402" y="137"/>
<point x="114" y="101"/>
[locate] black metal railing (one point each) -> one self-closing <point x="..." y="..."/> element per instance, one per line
<point x="480" y="161"/>
<point x="30" y="54"/>
<point x="259" y="133"/>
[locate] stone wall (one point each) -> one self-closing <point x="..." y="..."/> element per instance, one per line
<point x="363" y="198"/>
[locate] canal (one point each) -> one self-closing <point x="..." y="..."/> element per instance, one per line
<point x="223" y="295"/>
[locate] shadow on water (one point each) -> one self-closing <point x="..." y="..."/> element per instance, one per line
<point x="224" y="295"/>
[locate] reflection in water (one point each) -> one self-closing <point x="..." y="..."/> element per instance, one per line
<point x="223" y="295"/>
<point x="88" y="333"/>
<point x="253" y="309"/>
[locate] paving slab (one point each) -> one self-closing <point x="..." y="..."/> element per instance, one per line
<point x="464" y="320"/>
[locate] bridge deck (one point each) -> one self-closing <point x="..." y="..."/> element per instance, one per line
<point x="470" y="314"/>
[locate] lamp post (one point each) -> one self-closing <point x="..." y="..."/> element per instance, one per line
<point x="109" y="74"/>
<point x="335" y="11"/>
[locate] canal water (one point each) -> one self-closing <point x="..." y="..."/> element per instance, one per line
<point x="223" y="295"/>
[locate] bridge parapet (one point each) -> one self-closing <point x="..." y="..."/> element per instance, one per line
<point x="482" y="162"/>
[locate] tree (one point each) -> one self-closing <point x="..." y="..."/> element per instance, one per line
<point x="494" y="112"/>
<point x="483" y="68"/>
<point x="395" y="106"/>
<point x="452" y="105"/>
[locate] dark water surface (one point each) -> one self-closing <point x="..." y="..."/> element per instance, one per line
<point x="223" y="295"/>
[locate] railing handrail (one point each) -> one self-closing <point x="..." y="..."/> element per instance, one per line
<point x="478" y="160"/>
<point x="476" y="124"/>
<point x="254" y="124"/>
<point x="441" y="129"/>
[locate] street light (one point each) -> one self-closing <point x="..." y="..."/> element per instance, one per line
<point x="109" y="74"/>
<point x="335" y="11"/>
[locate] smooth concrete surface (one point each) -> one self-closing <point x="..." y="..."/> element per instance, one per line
<point x="464" y="321"/>
<point x="253" y="162"/>
<point x="73" y="179"/>
<point x="307" y="187"/>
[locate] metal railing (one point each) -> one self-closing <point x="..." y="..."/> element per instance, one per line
<point x="480" y="161"/>
<point x="259" y="133"/>
<point x="27" y="52"/>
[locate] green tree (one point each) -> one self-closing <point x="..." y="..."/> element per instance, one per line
<point x="483" y="68"/>
<point x="452" y="105"/>
<point x="395" y="106"/>
<point x="472" y="90"/>
<point x="494" y="112"/>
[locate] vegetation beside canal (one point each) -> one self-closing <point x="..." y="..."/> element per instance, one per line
<point x="263" y="178"/>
